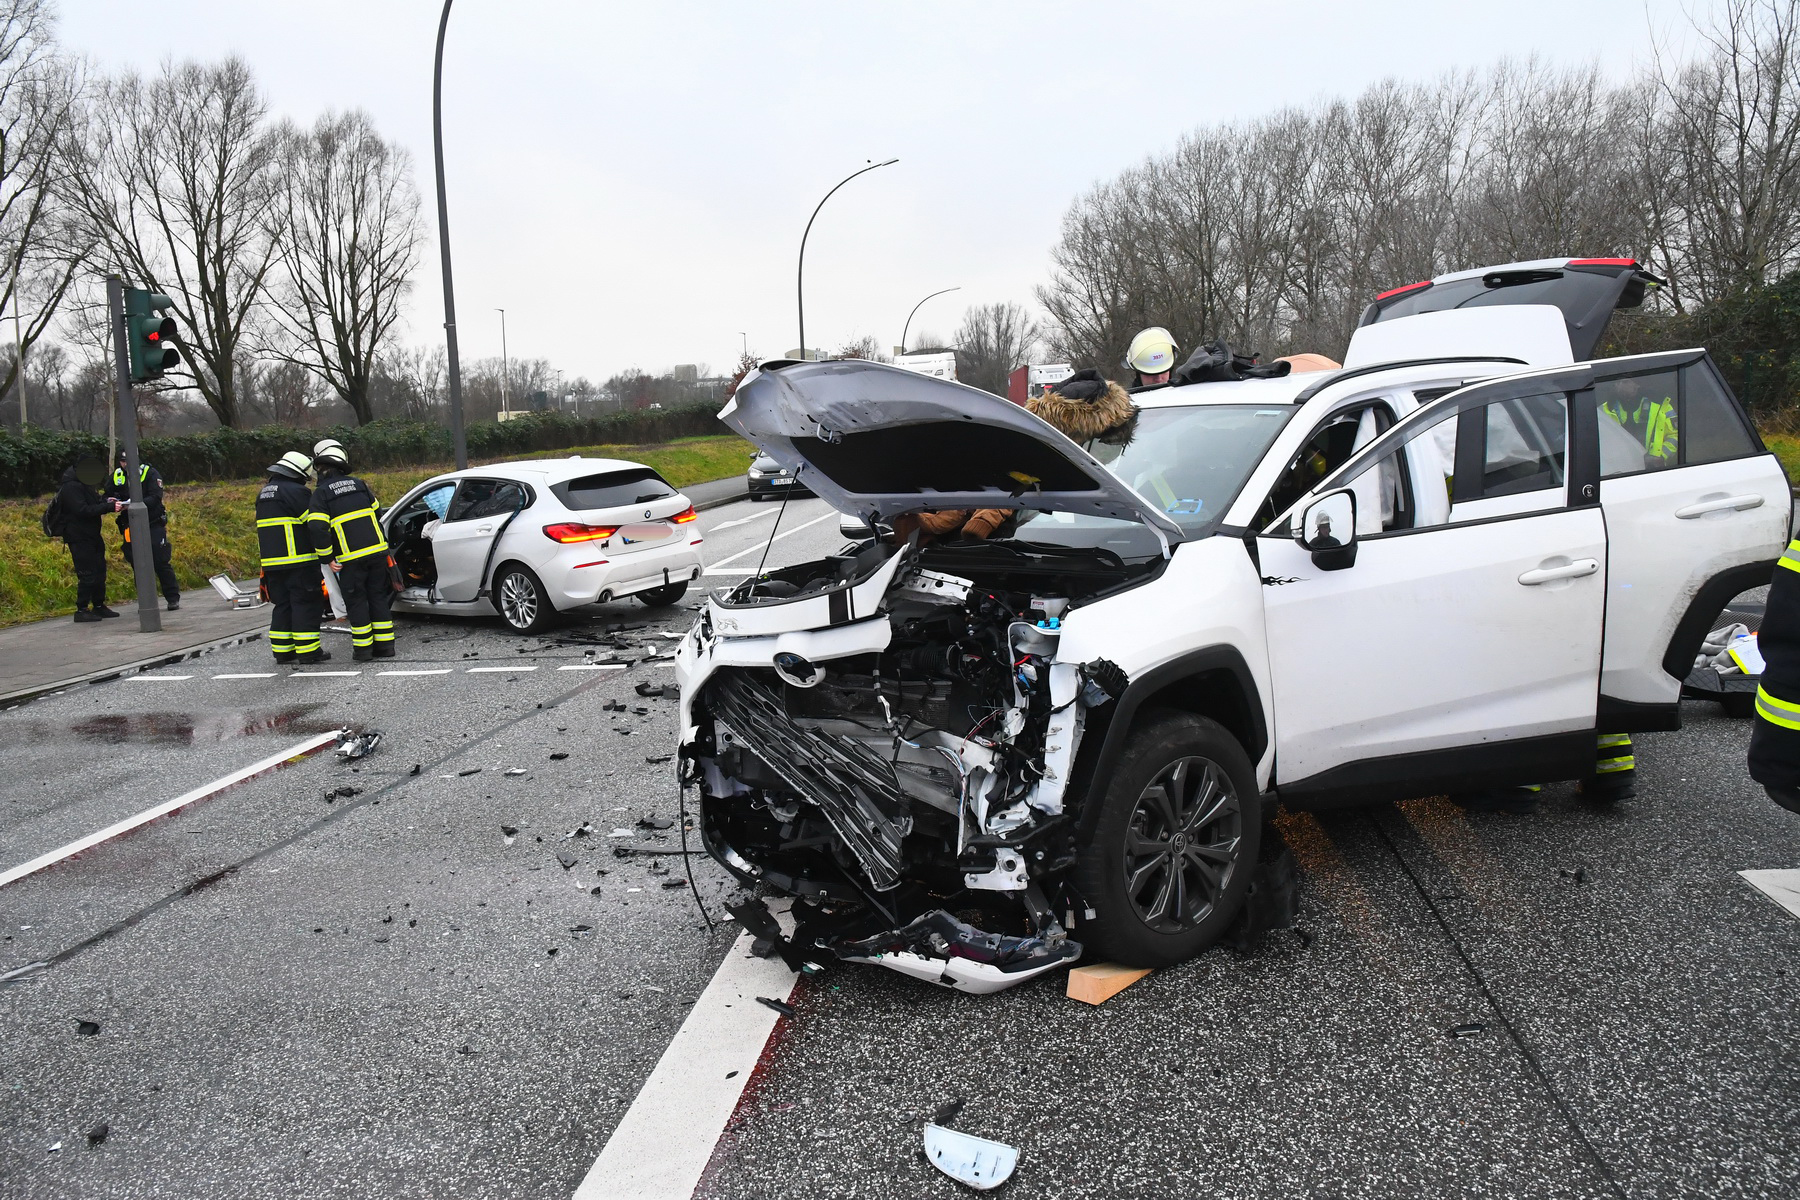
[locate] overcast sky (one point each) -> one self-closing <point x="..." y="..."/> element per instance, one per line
<point x="630" y="182"/>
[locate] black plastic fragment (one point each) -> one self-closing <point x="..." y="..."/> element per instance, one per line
<point x="1469" y="1030"/>
<point x="566" y="859"/>
<point x="559" y="755"/>
<point x="652" y="821"/>
<point x="87" y="1028"/>
<point x="1577" y="875"/>
<point x="470" y="771"/>
<point x="97" y="1134"/>
<point x="416" y="768"/>
<point x="673" y="884"/>
<point x="780" y="1006"/>
<point x="509" y="830"/>
<point x="658" y="758"/>
<point x="650" y="692"/>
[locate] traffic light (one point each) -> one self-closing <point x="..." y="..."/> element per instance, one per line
<point x="149" y="334"/>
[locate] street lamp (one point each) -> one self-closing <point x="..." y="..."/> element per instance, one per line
<point x="746" y="338"/>
<point x="505" y="367"/>
<point x="457" y="438"/>
<point x="800" y="272"/>
<point x="915" y="308"/>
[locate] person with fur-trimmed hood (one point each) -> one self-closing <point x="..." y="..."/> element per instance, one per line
<point x="1085" y="406"/>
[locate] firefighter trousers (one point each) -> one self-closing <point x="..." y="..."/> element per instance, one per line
<point x="294" y="624"/>
<point x="369" y="596"/>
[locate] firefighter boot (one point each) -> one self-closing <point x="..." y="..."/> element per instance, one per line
<point x="363" y="653"/>
<point x="315" y="656"/>
<point x="384" y="649"/>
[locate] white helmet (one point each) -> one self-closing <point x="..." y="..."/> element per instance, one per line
<point x="1152" y="352"/>
<point x="332" y="451"/>
<point x="293" y="464"/>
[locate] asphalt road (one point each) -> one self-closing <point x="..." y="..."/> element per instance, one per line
<point x="388" y="994"/>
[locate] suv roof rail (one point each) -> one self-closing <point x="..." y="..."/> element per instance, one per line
<point x="1313" y="389"/>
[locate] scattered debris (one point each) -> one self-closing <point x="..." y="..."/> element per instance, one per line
<point x="552" y="951"/>
<point x="581" y="929"/>
<point x="946" y="1112"/>
<point x="649" y="692"/>
<point x="780" y="1006"/>
<point x="624" y="732"/>
<point x="652" y="821"/>
<point x="388" y="920"/>
<point x="1100" y="982"/>
<point x="613" y="706"/>
<point x="972" y="1161"/>
<point x="566" y="859"/>
<point x="97" y="1134"/>
<point x="87" y="1028"/>
<point x="1469" y="1030"/>
<point x="559" y="755"/>
<point x="54" y="1149"/>
<point x="658" y="758"/>
<point x="632" y="851"/>
<point x="1577" y="875"/>
<point x="642" y="712"/>
<point x="344" y="792"/>
<point x="673" y="884"/>
<point x="731" y="1074"/>
<point x="509" y="832"/>
<point x="416" y="768"/>
<point x="357" y="745"/>
<point x="621" y="831"/>
<point x="470" y="771"/>
<point x="513" y="771"/>
<point x="582" y="831"/>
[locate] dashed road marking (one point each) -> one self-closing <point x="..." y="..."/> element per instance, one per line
<point x="662" y="1145"/>
<point x="323" y="674"/>
<point x="1783" y="887"/>
<point x="435" y="671"/>
<point x="248" y="675"/>
<point x="158" y="678"/>
<point x="756" y="516"/>
<point x="593" y="667"/>
<point x="498" y="670"/>
<point x="298" y="750"/>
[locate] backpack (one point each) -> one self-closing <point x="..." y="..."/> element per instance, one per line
<point x="52" y="518"/>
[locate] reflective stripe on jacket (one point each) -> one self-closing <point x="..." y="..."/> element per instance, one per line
<point x="344" y="524"/>
<point x="1651" y="422"/>
<point x="281" y="516"/>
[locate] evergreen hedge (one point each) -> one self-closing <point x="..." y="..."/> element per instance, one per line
<point x="32" y="461"/>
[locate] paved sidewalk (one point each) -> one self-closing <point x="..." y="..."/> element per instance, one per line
<point x="46" y="655"/>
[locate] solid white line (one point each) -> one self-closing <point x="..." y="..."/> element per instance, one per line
<point x="322" y="674"/>
<point x="594" y="667"/>
<point x="498" y="670"/>
<point x="250" y="675"/>
<point x="1783" y="887"/>
<point x="158" y="678"/>
<point x="663" y="1143"/>
<point x="830" y="516"/>
<point x="731" y="571"/>
<point x="438" y="671"/>
<point x="297" y="750"/>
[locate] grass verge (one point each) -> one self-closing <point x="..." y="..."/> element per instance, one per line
<point x="211" y="527"/>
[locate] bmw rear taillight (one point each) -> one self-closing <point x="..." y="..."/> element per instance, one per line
<point x="685" y="515"/>
<point x="574" y="531"/>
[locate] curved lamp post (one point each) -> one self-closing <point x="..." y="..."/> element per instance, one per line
<point x="921" y="304"/>
<point x="800" y="272"/>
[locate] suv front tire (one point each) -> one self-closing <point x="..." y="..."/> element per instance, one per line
<point x="1175" y="846"/>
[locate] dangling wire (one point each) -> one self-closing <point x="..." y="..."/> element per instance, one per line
<point x="687" y="859"/>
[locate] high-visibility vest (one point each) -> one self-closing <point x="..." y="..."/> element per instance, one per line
<point x="1652" y="422"/>
<point x="119" y="474"/>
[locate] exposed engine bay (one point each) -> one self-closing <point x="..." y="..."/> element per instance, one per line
<point x="889" y="736"/>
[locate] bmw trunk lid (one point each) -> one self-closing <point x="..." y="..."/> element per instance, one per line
<point x="879" y="441"/>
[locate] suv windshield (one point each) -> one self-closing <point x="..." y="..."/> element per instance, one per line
<point x="1188" y="462"/>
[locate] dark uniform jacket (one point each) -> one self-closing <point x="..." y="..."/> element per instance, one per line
<point x="282" y="536"/>
<point x="153" y="494"/>
<point x="81" y="507"/>
<point x="344" y="525"/>
<point x="1775" y="738"/>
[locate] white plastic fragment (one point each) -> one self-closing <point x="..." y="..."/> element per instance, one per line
<point x="970" y="1160"/>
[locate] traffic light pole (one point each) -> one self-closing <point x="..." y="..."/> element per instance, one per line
<point x="137" y="516"/>
<point x="458" y="440"/>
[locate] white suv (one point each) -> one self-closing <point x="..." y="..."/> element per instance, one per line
<point x="968" y="761"/>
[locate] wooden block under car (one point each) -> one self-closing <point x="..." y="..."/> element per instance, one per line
<point x="1100" y="982"/>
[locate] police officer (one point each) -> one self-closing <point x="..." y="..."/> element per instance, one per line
<point x="80" y="506"/>
<point x="152" y="485"/>
<point x="347" y="535"/>
<point x="290" y="564"/>
<point x="1775" y="738"/>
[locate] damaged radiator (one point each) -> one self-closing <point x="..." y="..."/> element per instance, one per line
<point x="855" y="789"/>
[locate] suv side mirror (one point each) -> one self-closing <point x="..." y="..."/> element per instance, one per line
<point x="1328" y="529"/>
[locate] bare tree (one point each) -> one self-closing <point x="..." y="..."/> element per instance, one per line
<point x="993" y="341"/>
<point x="37" y="97"/>
<point x="173" y="180"/>
<point x="346" y="221"/>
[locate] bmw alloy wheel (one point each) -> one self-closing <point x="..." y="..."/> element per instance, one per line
<point x="519" y="601"/>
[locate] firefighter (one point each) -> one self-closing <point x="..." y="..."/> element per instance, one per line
<point x="347" y="535"/>
<point x="160" y="552"/>
<point x="1151" y="357"/>
<point x="290" y="564"/>
<point x="1775" y="737"/>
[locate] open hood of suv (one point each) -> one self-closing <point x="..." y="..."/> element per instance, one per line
<point x="879" y="441"/>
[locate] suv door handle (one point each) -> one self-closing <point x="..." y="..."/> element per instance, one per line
<point x="484" y="529"/>
<point x="1574" y="570"/>
<point x="1701" y="508"/>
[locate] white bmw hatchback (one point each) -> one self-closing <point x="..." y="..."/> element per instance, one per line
<point x="526" y="540"/>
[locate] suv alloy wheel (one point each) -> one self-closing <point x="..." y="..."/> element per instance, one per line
<point x="1175" y="846"/>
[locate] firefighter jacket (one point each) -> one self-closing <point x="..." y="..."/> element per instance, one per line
<point x="152" y="484"/>
<point x="1775" y="737"/>
<point x="282" y="536"/>
<point x="344" y="525"/>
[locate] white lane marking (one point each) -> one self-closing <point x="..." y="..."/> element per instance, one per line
<point x="663" y="1143"/>
<point x="1783" y="887"/>
<point x="297" y="750"/>
<point x="731" y="571"/>
<point x="830" y="516"/>
<point x="757" y="516"/>
<point x="158" y="678"/>
<point x="497" y="670"/>
<point x="438" y="671"/>
<point x="249" y="675"/>
<point x="322" y="674"/>
<point x="594" y="667"/>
